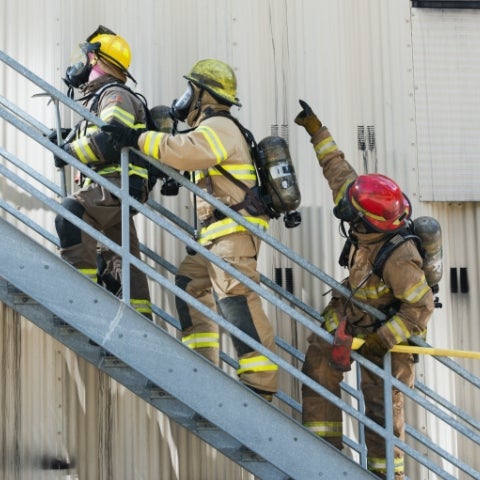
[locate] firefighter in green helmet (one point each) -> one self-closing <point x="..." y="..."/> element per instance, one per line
<point x="215" y="148"/>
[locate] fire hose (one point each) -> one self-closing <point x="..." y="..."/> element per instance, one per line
<point x="440" y="352"/>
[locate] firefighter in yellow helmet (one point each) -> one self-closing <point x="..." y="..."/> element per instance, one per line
<point x="100" y="72"/>
<point x="374" y="208"/>
<point x="216" y="140"/>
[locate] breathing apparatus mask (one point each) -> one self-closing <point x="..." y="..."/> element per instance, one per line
<point x="181" y="106"/>
<point x="345" y="211"/>
<point x="81" y="64"/>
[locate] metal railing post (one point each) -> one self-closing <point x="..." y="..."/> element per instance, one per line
<point x="388" y="409"/>
<point x="125" y="202"/>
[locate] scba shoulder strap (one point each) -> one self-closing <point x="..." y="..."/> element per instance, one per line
<point x="392" y="244"/>
<point x="253" y="201"/>
<point x="385" y="250"/>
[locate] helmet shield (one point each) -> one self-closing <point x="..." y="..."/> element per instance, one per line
<point x="80" y="65"/>
<point x="181" y="106"/>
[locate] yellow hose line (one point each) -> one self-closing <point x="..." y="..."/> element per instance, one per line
<point x="440" y="352"/>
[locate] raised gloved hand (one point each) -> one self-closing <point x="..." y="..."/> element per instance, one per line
<point x="341" y="348"/>
<point x="122" y="136"/>
<point x="373" y="346"/>
<point x="307" y="119"/>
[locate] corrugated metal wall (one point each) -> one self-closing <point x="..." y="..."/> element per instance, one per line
<point x="353" y="61"/>
<point x="447" y="77"/>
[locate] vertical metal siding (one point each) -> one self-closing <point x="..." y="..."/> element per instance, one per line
<point x="353" y="62"/>
<point x="447" y="46"/>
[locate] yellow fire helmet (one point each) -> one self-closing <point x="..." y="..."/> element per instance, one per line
<point x="218" y="78"/>
<point x="114" y="49"/>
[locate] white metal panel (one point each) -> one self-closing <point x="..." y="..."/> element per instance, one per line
<point x="447" y="80"/>
<point x="353" y="62"/>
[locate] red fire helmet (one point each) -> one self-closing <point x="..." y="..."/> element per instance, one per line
<point x="379" y="202"/>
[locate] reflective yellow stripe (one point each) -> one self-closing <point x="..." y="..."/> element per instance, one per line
<point x="371" y="293"/>
<point x="214" y="142"/>
<point x="380" y="464"/>
<point x="331" y="319"/>
<point x="239" y="171"/>
<point x="397" y="328"/>
<point x="226" y="227"/>
<point x="132" y="170"/>
<point x="199" y="174"/>
<point x="325" y="147"/>
<point x="259" y="363"/>
<point x="341" y="192"/>
<point x="114" y="112"/>
<point x="82" y="150"/>
<point x="202" y="340"/>
<point x="152" y="144"/>
<point x="416" y="292"/>
<point x="141" y="305"/>
<point x="91" y="273"/>
<point x="325" y="429"/>
<point x="92" y="129"/>
<point x="81" y="146"/>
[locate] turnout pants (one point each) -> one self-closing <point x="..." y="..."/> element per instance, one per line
<point x="235" y="302"/>
<point x="102" y="210"/>
<point x="325" y="418"/>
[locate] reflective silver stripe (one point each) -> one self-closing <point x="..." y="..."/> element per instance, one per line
<point x="380" y="464"/>
<point x="83" y="151"/>
<point x="397" y="328"/>
<point x="132" y="170"/>
<point x="202" y="340"/>
<point x="259" y="363"/>
<point x="325" y="147"/>
<point x="238" y="171"/>
<point x="417" y="291"/>
<point x="151" y="146"/>
<point x="325" y="429"/>
<point x="114" y="112"/>
<point x="141" y="305"/>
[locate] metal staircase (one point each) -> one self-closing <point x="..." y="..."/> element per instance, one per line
<point x="148" y="360"/>
<point x="223" y="413"/>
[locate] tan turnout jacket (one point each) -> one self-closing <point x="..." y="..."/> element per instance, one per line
<point x="403" y="278"/>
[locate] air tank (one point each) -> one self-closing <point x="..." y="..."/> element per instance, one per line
<point x="280" y="179"/>
<point x="430" y="233"/>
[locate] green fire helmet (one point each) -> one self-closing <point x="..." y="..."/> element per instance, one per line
<point x="218" y="78"/>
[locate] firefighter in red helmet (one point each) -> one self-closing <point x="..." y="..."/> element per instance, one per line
<point x="374" y="207"/>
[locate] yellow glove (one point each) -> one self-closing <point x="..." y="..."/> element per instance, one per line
<point x="307" y="119"/>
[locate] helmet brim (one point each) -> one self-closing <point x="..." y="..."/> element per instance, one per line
<point x="221" y="98"/>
